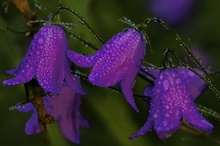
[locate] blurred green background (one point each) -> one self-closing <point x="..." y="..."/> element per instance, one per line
<point x="111" y="118"/>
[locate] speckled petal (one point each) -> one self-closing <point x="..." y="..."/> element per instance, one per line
<point x="154" y="115"/>
<point x="26" y="70"/>
<point x="28" y="65"/>
<point x="104" y="75"/>
<point x="32" y="126"/>
<point x="116" y="56"/>
<point x="168" y="124"/>
<point x="51" y="68"/>
<point x="81" y="60"/>
<point x="73" y="82"/>
<point x="172" y="99"/>
<point x="171" y="91"/>
<point x="24" y="108"/>
<point x="127" y="84"/>
<point x="194" y="118"/>
<point x="195" y="84"/>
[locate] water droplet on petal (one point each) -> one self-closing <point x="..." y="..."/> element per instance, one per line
<point x="166" y="84"/>
<point x="40" y="41"/>
<point x="191" y="74"/>
<point x="178" y="81"/>
<point x="167" y="115"/>
<point x="164" y="123"/>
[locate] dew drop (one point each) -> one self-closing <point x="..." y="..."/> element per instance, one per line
<point x="167" y="115"/>
<point x="178" y="81"/>
<point x="164" y="123"/>
<point x="191" y="74"/>
<point x="40" y="41"/>
<point x="166" y="84"/>
<point x="158" y="91"/>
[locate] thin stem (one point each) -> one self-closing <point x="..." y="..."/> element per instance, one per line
<point x="60" y="8"/>
<point x="208" y="111"/>
<point x="42" y="8"/>
<point x="127" y="21"/>
<point x="16" y="31"/>
<point x="82" y="40"/>
<point x="85" y="77"/>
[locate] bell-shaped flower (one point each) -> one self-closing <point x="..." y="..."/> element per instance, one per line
<point x="118" y="61"/>
<point x="172" y="100"/>
<point x="47" y="62"/>
<point x="65" y="108"/>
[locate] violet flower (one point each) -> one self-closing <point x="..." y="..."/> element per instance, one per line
<point x="173" y="94"/>
<point x="47" y="62"/>
<point x="171" y="11"/>
<point x="118" y="61"/>
<point x="65" y="109"/>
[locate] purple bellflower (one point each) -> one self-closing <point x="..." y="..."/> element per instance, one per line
<point x="47" y="62"/>
<point x="172" y="97"/>
<point x="65" y="109"/>
<point x="118" y="61"/>
<point x="171" y="11"/>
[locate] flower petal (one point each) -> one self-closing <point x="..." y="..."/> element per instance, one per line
<point x="83" y="122"/>
<point x="193" y="117"/>
<point x="24" y="108"/>
<point x="147" y="127"/>
<point x="51" y="68"/>
<point x="81" y="60"/>
<point x="103" y="74"/>
<point x="32" y="126"/>
<point x="169" y="89"/>
<point x="66" y="111"/>
<point x="127" y="84"/>
<point x="195" y="84"/>
<point x="149" y="73"/>
<point x="148" y="90"/>
<point x="73" y="82"/>
<point x="25" y="71"/>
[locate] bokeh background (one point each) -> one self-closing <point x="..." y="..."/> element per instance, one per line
<point x="111" y="118"/>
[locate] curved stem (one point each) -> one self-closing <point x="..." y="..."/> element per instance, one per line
<point x="60" y="8"/>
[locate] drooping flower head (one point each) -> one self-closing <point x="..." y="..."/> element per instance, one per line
<point x="172" y="99"/>
<point x="47" y="62"/>
<point x="118" y="61"/>
<point x="65" y="109"/>
<point x="171" y="11"/>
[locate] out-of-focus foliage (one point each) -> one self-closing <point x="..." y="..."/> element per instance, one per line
<point x="111" y="118"/>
